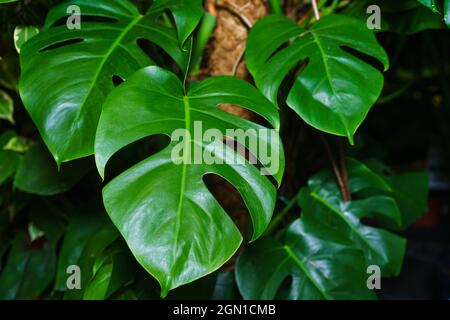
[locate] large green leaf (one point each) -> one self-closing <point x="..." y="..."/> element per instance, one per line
<point x="174" y="226"/>
<point x="67" y="74"/>
<point x="322" y="202"/>
<point x="328" y="93"/>
<point x="319" y="261"/>
<point x="327" y="251"/>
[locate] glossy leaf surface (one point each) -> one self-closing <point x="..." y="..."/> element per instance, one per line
<point x="319" y="262"/>
<point x="77" y="66"/>
<point x="174" y="226"/>
<point x="327" y="92"/>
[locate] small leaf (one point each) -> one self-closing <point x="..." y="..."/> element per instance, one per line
<point x="18" y="144"/>
<point x="6" y="107"/>
<point x="38" y="174"/>
<point x="22" y="34"/>
<point x="34" y="232"/>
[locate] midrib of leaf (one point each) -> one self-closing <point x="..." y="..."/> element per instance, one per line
<point x="328" y="77"/>
<point x="187" y="119"/>
<point x="347" y="222"/>
<point x="111" y="49"/>
<point x="298" y="262"/>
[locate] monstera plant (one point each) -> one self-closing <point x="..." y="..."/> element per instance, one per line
<point x="100" y="177"/>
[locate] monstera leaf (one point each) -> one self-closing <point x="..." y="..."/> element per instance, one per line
<point x="174" y="226"/>
<point x="67" y="74"/>
<point x="327" y="251"/>
<point x="322" y="264"/>
<point x="327" y="93"/>
<point x="375" y="199"/>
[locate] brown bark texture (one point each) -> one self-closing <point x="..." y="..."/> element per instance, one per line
<point x="226" y="57"/>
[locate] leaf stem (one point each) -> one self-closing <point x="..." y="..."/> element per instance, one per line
<point x="188" y="67"/>
<point x="316" y="9"/>
<point x="276" y="6"/>
<point x="344" y="172"/>
<point x="339" y="178"/>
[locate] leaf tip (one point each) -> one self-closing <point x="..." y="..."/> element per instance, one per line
<point x="164" y="292"/>
<point x="351" y="138"/>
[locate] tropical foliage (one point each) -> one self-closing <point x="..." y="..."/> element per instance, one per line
<point x="87" y="176"/>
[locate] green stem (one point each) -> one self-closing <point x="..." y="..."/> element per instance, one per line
<point x="276" y="6"/>
<point x="188" y="67"/>
<point x="201" y="40"/>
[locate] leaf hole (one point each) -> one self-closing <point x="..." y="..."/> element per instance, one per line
<point x="232" y="202"/>
<point x="117" y="80"/>
<point x="156" y="54"/>
<point x="61" y="44"/>
<point x="244" y="113"/>
<point x="290" y="79"/>
<point x="136" y="152"/>
<point x="374" y="62"/>
<point x="251" y="156"/>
